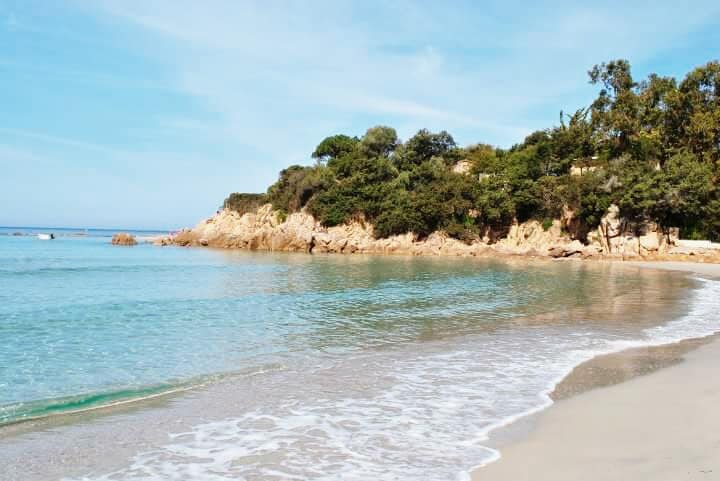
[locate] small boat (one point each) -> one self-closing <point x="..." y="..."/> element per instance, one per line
<point x="46" y="236"/>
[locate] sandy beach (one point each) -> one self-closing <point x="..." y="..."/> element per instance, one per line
<point x="708" y="270"/>
<point x="661" y="426"/>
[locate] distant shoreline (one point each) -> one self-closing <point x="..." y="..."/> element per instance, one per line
<point x="11" y="228"/>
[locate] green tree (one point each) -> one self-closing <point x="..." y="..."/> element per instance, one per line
<point x="655" y="144"/>
<point x="494" y="202"/>
<point x="334" y="147"/>
<point x="689" y="190"/>
<point x="425" y="145"/>
<point x="484" y="159"/>
<point x="615" y="111"/>
<point x="379" y="141"/>
<point x="694" y="113"/>
<point x="296" y="186"/>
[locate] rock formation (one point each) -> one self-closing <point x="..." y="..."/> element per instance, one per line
<point x="617" y="236"/>
<point x="300" y="232"/>
<point x="123" y="239"/>
<point x="269" y="230"/>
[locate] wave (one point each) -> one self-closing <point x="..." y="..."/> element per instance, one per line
<point x="46" y="408"/>
<point x="702" y="321"/>
<point x="432" y="417"/>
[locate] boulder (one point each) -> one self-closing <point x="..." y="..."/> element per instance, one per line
<point x="123" y="239"/>
<point x="568" y="250"/>
<point x="610" y="229"/>
<point x="532" y="236"/>
<point x="184" y="238"/>
<point x="163" y="241"/>
<point x="616" y="236"/>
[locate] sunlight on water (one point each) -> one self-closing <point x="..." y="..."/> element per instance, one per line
<point x="336" y="367"/>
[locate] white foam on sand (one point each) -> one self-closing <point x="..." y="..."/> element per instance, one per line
<point x="410" y="415"/>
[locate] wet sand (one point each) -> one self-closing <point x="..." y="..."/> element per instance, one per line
<point x="660" y="425"/>
<point x="703" y="269"/>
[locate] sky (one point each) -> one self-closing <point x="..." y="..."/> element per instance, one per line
<point x="147" y="113"/>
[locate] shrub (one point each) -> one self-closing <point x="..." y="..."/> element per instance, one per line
<point x="242" y="203"/>
<point x="296" y="186"/>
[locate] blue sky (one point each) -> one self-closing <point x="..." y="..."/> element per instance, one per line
<point x="146" y="113"/>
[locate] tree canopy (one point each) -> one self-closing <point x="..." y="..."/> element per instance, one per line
<point x="650" y="146"/>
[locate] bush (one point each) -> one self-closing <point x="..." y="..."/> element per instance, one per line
<point x="334" y="206"/>
<point x="242" y="203"/>
<point x="296" y="186"/>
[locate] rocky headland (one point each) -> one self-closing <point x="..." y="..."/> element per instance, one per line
<point x="615" y="238"/>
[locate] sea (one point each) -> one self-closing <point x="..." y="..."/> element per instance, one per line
<point x="151" y="363"/>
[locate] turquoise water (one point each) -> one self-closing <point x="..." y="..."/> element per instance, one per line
<point x="82" y="317"/>
<point x="340" y="366"/>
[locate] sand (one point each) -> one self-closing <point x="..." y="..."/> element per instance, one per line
<point x="662" y="426"/>
<point x="702" y="269"/>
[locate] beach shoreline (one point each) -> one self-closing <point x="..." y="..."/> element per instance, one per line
<point x="611" y="415"/>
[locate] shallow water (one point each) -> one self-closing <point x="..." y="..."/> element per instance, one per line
<point x="314" y="367"/>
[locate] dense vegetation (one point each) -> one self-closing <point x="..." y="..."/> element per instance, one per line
<point x="243" y="203"/>
<point x="651" y="147"/>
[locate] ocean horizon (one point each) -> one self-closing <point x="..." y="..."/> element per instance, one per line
<point x="94" y="231"/>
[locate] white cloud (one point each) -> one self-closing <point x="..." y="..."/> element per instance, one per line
<point x="304" y="69"/>
<point x="277" y="71"/>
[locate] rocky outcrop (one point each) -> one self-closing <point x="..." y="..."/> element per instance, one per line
<point x="123" y="239"/>
<point x="300" y="232"/>
<point x="531" y="238"/>
<point x="462" y="167"/>
<point x="261" y="230"/>
<point x="268" y="230"/>
<point x="616" y="236"/>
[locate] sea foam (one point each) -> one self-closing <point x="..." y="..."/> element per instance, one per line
<point x="402" y="414"/>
